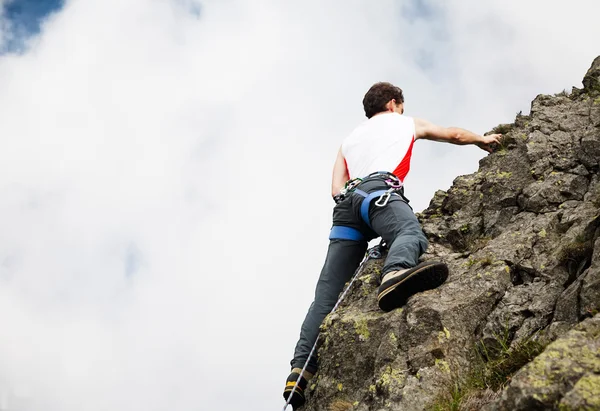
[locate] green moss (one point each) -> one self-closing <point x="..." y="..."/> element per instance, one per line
<point x="562" y="356"/>
<point x="391" y="377"/>
<point x="443" y="335"/>
<point x="393" y="338"/>
<point x="340" y="386"/>
<point x="447" y="333"/>
<point x="542" y="233"/>
<point x="504" y="174"/>
<point x="365" y="290"/>
<point x="442" y="365"/>
<point x="361" y="328"/>
<point x="327" y="323"/>
<point x="597" y="101"/>
<point x="588" y="389"/>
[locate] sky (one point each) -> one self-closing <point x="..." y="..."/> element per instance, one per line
<point x="165" y="173"/>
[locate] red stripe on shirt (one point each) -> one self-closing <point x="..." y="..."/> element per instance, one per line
<point x="402" y="170"/>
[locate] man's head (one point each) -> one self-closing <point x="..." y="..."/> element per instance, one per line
<point x="383" y="97"/>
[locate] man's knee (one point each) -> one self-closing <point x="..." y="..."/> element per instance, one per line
<point x="411" y="236"/>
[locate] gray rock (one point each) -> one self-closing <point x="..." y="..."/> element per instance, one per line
<point x="565" y="373"/>
<point x="591" y="81"/>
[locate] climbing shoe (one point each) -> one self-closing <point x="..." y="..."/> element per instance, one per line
<point x="298" y="398"/>
<point x="397" y="286"/>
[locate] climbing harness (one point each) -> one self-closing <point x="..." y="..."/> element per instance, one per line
<point x="382" y="196"/>
<point x="374" y="253"/>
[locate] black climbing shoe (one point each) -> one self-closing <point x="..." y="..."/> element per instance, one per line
<point x="298" y="398"/>
<point x="397" y="286"/>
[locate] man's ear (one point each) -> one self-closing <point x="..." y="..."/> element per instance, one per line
<point x="390" y="105"/>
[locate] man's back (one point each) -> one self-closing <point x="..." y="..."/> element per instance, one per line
<point x="382" y="143"/>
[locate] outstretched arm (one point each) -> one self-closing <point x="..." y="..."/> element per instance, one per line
<point x="426" y="130"/>
<point x="340" y="174"/>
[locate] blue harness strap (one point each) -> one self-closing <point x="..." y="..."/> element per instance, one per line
<point x="364" y="207"/>
<point x="341" y="232"/>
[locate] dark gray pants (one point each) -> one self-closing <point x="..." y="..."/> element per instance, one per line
<point x="398" y="227"/>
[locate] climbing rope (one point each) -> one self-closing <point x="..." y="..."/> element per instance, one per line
<point x="375" y="252"/>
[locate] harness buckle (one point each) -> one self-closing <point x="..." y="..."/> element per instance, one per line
<point x="352" y="184"/>
<point x="394" y="183"/>
<point x="383" y="200"/>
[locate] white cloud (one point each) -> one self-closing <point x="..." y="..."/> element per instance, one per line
<point x="196" y="152"/>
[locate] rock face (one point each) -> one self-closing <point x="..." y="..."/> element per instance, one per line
<point x="566" y="374"/>
<point x="516" y="325"/>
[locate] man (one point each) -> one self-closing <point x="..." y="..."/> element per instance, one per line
<point x="370" y="168"/>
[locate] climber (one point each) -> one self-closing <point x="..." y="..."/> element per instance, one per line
<point x="367" y="186"/>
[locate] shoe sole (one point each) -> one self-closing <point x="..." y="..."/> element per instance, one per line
<point x="298" y="400"/>
<point x="425" y="276"/>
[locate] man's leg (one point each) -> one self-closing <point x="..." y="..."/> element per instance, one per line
<point x="402" y="276"/>
<point x="343" y="258"/>
<point x="398" y="226"/>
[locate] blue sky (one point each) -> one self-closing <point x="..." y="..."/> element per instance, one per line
<point x="24" y="18"/>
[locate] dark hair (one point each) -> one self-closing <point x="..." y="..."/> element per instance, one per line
<point x="378" y="96"/>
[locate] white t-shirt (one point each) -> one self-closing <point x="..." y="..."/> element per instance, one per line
<point x="382" y="143"/>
